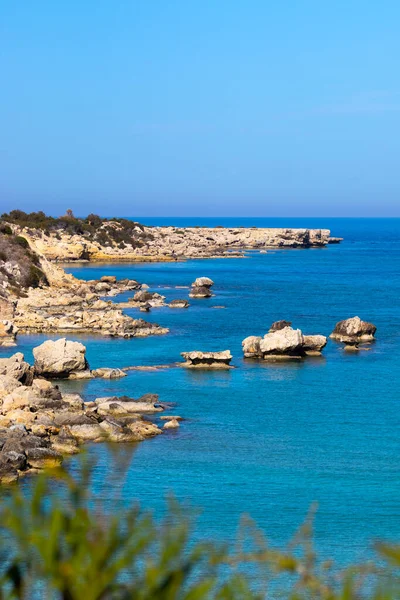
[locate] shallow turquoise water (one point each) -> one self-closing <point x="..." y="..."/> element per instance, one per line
<point x="269" y="439"/>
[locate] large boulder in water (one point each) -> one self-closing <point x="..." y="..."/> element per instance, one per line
<point x="286" y="342"/>
<point x="59" y="358"/>
<point x="353" y="330"/>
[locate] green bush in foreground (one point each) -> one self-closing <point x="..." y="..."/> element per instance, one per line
<point x="57" y="542"/>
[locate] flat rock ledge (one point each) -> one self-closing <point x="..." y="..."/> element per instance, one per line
<point x="179" y="303"/>
<point x="354" y="331"/>
<point x="283" y="343"/>
<point x="39" y="425"/>
<point x="207" y="360"/>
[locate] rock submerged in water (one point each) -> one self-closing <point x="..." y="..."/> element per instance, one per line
<point x="353" y="331"/>
<point x="283" y="343"/>
<point x="207" y="360"/>
<point x="172" y="424"/>
<point x="201" y="288"/>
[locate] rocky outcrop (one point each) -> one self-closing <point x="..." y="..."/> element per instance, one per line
<point x="207" y="360"/>
<point x="8" y="330"/>
<point x="17" y="369"/>
<point x="144" y="299"/>
<point x="80" y="309"/>
<point x="201" y="288"/>
<point x="283" y="343"/>
<point x="353" y="331"/>
<point x="278" y="325"/>
<point x="60" y="358"/>
<point x="39" y="424"/>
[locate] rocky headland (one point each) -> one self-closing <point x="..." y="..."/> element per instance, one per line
<point x="94" y="239"/>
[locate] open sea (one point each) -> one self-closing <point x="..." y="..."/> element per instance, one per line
<point x="266" y="439"/>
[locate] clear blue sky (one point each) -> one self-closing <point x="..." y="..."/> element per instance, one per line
<point x="186" y="107"/>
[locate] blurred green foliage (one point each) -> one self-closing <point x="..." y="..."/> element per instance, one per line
<point x="58" y="542"/>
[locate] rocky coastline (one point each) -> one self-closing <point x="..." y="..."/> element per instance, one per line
<point x="163" y="244"/>
<point x="39" y="424"/>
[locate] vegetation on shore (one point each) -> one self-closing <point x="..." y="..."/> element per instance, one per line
<point x="19" y="266"/>
<point x="57" y="541"/>
<point x="108" y="232"/>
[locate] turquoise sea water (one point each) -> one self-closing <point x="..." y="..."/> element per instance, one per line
<point x="268" y="439"/>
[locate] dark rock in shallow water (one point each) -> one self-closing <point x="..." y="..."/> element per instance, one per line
<point x="43" y="457"/>
<point x="8" y="473"/>
<point x="15" y="459"/>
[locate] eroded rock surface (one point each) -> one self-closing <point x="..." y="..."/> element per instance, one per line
<point x="59" y="358"/>
<point x="354" y="330"/>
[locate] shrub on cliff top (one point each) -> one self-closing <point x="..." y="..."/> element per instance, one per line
<point x="56" y="541"/>
<point x="109" y="232"/>
<point x="20" y="267"/>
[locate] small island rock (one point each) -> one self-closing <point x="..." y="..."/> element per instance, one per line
<point x="207" y="360"/>
<point x="178" y="303"/>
